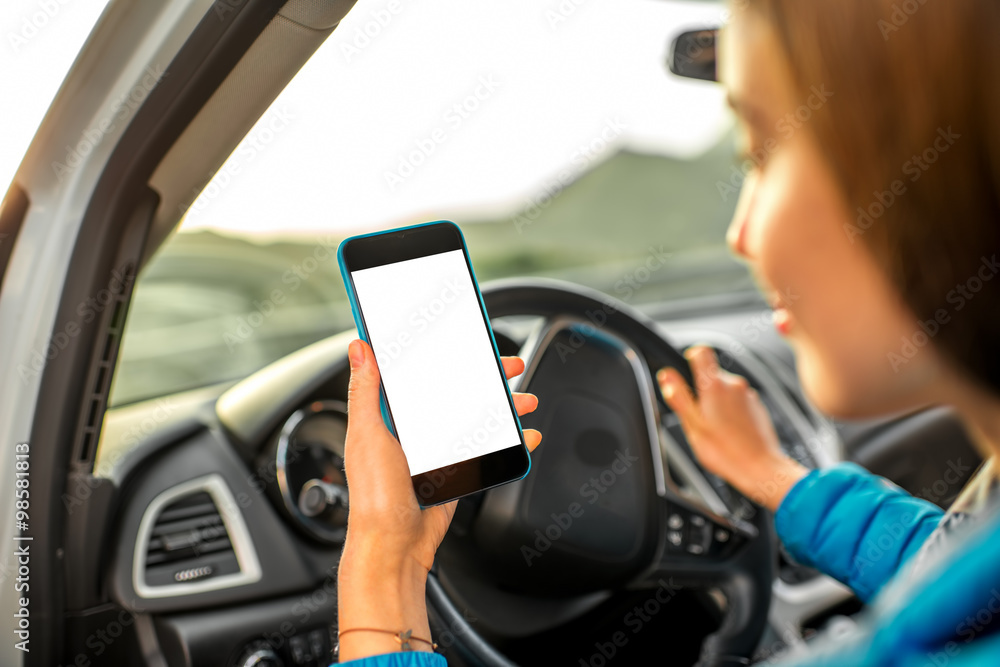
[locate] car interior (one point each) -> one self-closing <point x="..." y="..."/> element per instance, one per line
<point x="188" y="496"/>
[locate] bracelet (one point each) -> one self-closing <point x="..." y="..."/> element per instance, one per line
<point x="403" y="638"/>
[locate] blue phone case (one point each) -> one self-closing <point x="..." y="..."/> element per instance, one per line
<point x="359" y="325"/>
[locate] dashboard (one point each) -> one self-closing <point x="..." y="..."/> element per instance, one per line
<point x="232" y="513"/>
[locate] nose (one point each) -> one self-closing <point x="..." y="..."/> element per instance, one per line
<point x="736" y="236"/>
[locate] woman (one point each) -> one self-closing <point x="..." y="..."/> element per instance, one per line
<point x="877" y="215"/>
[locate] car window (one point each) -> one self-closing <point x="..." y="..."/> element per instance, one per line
<point x="552" y="133"/>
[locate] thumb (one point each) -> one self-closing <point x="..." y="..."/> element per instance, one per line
<point x="374" y="462"/>
<point x="363" y="407"/>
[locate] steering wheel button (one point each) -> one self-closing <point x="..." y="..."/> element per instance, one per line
<point x="675" y="538"/>
<point x="317" y="643"/>
<point x="675" y="522"/>
<point x="721" y="536"/>
<point x="697" y="521"/>
<point x="696" y="549"/>
<point x="300" y="649"/>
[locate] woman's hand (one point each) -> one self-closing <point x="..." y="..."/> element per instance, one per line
<point x="729" y="429"/>
<point x="390" y="542"/>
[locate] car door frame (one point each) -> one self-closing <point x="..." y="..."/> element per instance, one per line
<point x="83" y="215"/>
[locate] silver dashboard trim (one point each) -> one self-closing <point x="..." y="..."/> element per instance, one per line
<point x="232" y="518"/>
<point x="794" y="604"/>
<point x="288" y="429"/>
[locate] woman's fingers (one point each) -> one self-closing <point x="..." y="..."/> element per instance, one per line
<point x="525" y="403"/>
<point x="704" y="366"/>
<point x="532" y="438"/>
<point x="512" y="366"/>
<point x="678" y="396"/>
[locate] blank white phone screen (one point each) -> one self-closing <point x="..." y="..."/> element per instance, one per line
<point x="446" y="395"/>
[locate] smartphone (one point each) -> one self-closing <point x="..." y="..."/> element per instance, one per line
<point x="444" y="392"/>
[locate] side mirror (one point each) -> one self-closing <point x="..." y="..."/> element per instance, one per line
<point x="692" y="55"/>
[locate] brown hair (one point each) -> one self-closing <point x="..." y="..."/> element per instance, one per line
<point x="915" y="106"/>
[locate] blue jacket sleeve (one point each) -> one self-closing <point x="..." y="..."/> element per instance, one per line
<point x="856" y="527"/>
<point x="401" y="659"/>
<point x="984" y="652"/>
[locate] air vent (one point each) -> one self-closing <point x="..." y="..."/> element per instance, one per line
<point x="119" y="291"/>
<point x="189" y="541"/>
<point x="192" y="539"/>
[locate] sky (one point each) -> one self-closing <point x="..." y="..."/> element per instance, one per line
<point x="417" y="110"/>
<point x="39" y="40"/>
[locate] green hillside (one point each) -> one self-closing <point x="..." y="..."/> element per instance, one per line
<point x="188" y="323"/>
<point x="612" y="213"/>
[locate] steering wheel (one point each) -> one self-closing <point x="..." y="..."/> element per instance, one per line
<point x="609" y="493"/>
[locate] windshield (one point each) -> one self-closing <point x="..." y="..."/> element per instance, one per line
<point x="552" y="134"/>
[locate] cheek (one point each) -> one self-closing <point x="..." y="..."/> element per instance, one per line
<point x="847" y="320"/>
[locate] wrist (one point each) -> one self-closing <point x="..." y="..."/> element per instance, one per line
<point x="771" y="480"/>
<point x="382" y="591"/>
<point x="375" y="553"/>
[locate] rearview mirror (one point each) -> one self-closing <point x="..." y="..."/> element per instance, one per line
<point x="692" y="55"/>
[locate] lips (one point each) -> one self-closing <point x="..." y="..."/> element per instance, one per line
<point x="782" y="321"/>
<point x="781" y="316"/>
